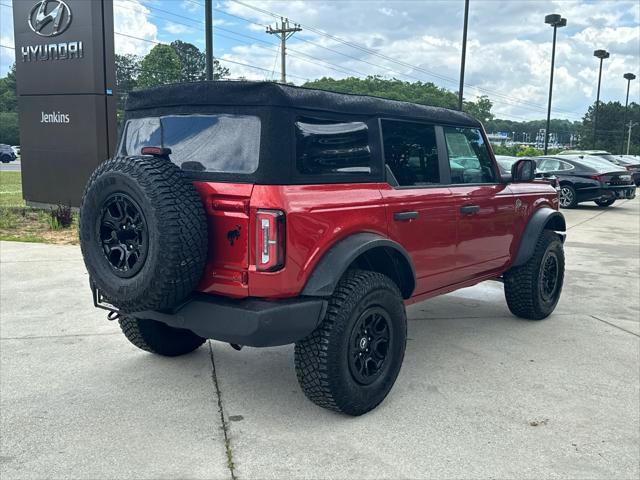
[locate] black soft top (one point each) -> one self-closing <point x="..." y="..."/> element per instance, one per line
<point x="269" y="94"/>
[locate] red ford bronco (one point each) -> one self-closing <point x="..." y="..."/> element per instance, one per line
<point x="261" y="214"/>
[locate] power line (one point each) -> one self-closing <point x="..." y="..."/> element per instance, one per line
<point x="400" y="62"/>
<point x="505" y="99"/>
<point x="219" y="58"/>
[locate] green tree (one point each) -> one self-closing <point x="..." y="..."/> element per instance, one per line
<point x="612" y="132"/>
<point x="8" y="93"/>
<point x="480" y="109"/>
<point x="194" y="63"/>
<point x="160" y="66"/>
<point x="127" y="67"/>
<point x="9" y="131"/>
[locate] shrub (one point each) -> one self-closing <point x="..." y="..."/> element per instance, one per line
<point x="61" y="217"/>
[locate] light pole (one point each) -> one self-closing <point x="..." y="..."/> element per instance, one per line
<point x="556" y="21"/>
<point x="464" y="52"/>
<point x="601" y="54"/>
<point x="208" y="35"/>
<point x="629" y="77"/>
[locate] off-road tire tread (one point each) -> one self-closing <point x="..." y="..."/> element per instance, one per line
<point x="311" y="354"/>
<point x="182" y="237"/>
<point x="156" y="337"/>
<point x="521" y="283"/>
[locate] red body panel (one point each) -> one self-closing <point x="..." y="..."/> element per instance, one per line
<point x="449" y="250"/>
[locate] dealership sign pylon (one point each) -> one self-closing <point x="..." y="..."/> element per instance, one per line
<point x="65" y="72"/>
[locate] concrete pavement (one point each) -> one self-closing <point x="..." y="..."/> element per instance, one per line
<point x="481" y="393"/>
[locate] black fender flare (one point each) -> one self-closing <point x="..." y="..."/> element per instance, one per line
<point x="329" y="270"/>
<point x="543" y="218"/>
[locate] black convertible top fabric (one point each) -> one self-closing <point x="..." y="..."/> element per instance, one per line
<point x="269" y="94"/>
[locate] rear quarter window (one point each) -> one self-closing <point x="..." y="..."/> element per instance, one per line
<point x="332" y="148"/>
<point x="200" y="143"/>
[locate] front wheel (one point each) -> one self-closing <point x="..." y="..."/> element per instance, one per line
<point x="532" y="290"/>
<point x="605" y="203"/>
<point x="351" y="361"/>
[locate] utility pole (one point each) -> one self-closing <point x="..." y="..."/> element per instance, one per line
<point x="208" y="35"/>
<point x="464" y="53"/>
<point x="631" y="125"/>
<point x="283" y="31"/>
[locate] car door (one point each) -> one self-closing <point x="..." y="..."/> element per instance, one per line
<point x="485" y="207"/>
<point x="421" y="210"/>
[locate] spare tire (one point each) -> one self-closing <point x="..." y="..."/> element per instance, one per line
<point x="143" y="233"/>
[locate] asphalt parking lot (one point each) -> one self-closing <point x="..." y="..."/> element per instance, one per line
<point x="15" y="166"/>
<point x="481" y="394"/>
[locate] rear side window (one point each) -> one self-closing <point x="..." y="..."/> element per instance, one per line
<point x="199" y="143"/>
<point x="325" y="147"/>
<point x="411" y="152"/>
<point x="468" y="156"/>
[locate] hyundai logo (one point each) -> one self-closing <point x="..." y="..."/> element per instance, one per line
<point x="49" y="18"/>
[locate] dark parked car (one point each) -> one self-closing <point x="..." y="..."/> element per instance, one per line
<point x="632" y="165"/>
<point x="505" y="163"/>
<point x="628" y="162"/>
<point x="6" y="153"/>
<point x="585" y="178"/>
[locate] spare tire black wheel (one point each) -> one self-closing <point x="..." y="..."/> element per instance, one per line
<point x="143" y="233"/>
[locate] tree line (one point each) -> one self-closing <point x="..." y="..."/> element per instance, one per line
<point x="184" y="62"/>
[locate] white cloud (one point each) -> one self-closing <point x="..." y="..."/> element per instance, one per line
<point x="131" y="17"/>
<point x="177" y="28"/>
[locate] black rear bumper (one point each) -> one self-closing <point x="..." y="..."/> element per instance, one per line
<point x="603" y="193"/>
<point x="252" y="322"/>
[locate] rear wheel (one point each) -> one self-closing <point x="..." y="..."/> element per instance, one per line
<point x="351" y="361"/>
<point x="605" y="203"/>
<point x="568" y="197"/>
<point x="532" y="290"/>
<point x="159" y="338"/>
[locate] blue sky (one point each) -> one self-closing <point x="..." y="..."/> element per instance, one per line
<point x="508" y="55"/>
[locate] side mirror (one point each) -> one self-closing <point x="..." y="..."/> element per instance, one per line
<point x="523" y="171"/>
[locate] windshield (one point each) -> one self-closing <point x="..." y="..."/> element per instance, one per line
<point x="199" y="143"/>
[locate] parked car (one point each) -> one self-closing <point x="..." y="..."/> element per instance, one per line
<point x="505" y="163"/>
<point x="262" y="214"/>
<point x="16" y="150"/>
<point x="632" y="165"/>
<point x="6" y="153"/>
<point x="585" y="178"/>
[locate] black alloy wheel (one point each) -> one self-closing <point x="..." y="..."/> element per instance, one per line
<point x="549" y="274"/>
<point x="123" y="234"/>
<point x="350" y="362"/>
<point x="369" y="345"/>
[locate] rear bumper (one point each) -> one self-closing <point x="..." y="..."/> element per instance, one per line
<point x="251" y="322"/>
<point x="617" y="191"/>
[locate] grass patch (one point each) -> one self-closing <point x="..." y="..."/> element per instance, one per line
<point x="19" y="223"/>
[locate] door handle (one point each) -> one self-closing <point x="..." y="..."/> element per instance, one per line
<point x="469" y="209"/>
<point x="404" y="216"/>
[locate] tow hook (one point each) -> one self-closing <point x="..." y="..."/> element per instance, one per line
<point x="111" y="316"/>
<point x="235" y="346"/>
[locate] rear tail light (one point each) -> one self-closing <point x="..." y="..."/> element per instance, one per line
<point x="270" y="240"/>
<point x="596" y="177"/>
